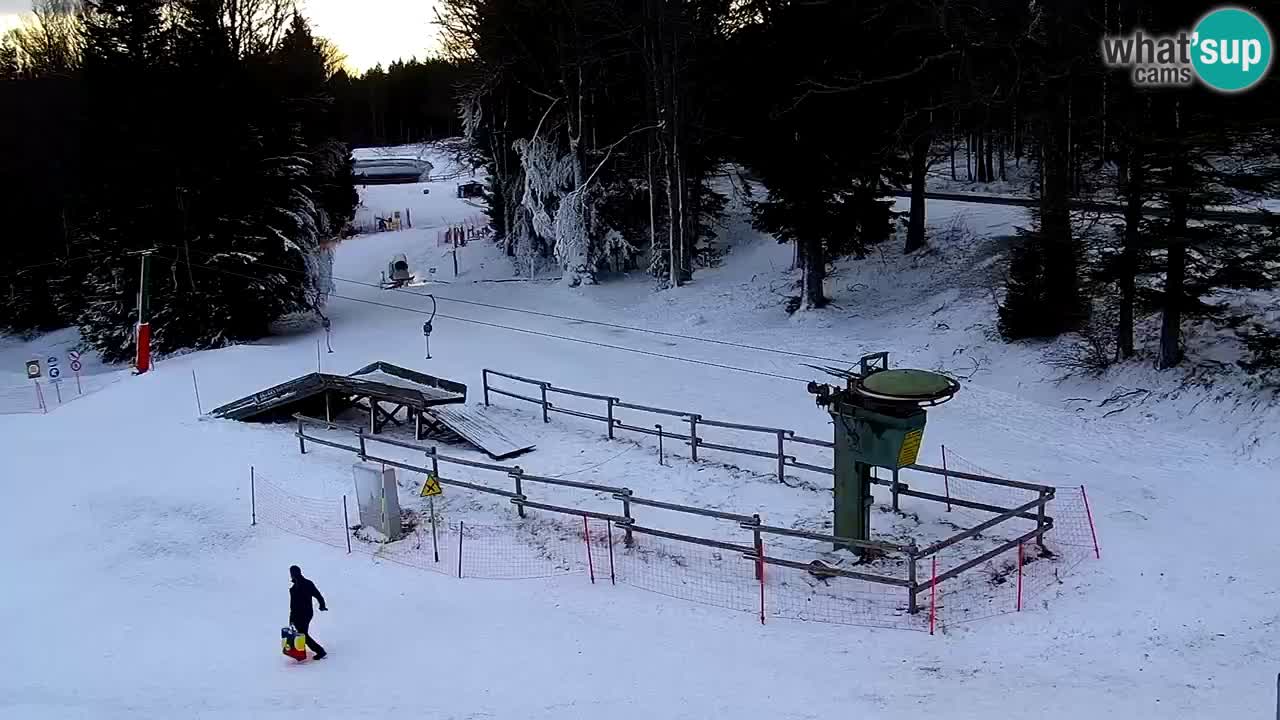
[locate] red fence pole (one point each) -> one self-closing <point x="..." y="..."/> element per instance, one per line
<point x="612" y="578"/>
<point x="1096" y="552"/>
<point x="1019" y="607"/>
<point x="946" y="480"/>
<point x="933" y="596"/>
<point x="586" y="538"/>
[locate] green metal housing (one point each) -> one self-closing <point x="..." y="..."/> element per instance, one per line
<point x="879" y="421"/>
<point x="865" y="439"/>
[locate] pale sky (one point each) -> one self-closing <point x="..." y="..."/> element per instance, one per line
<point x="368" y="31"/>
<point x="375" y="31"/>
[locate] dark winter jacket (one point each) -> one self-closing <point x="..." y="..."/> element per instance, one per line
<point x="300" y="594"/>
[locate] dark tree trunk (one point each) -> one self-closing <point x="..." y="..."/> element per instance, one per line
<point x="1017" y="135"/>
<point x="1065" y="309"/>
<point x="814" y="261"/>
<point x="919" y="166"/>
<point x="953" y="153"/>
<point x="968" y="155"/>
<point x="1128" y="269"/>
<point x="1003" y="140"/>
<point x="1171" y="323"/>
<point x="978" y="157"/>
<point x="991" y="175"/>
<point x="1175" y="270"/>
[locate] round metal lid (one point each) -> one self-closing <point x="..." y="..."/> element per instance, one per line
<point x="908" y="384"/>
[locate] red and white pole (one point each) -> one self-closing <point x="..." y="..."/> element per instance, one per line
<point x="142" y="361"/>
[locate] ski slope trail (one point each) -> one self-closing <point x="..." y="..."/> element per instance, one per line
<point x="135" y="587"/>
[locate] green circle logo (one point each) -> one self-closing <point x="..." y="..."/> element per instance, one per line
<point x="1231" y="49"/>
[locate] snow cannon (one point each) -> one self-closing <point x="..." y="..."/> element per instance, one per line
<point x="295" y="643"/>
<point x="879" y="417"/>
<point x="398" y="274"/>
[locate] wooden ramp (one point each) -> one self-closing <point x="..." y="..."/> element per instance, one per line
<point x="474" y="426"/>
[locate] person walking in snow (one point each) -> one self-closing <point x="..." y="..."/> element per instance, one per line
<point x="300" y="610"/>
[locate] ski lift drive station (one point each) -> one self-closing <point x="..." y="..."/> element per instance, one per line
<point x="879" y="417"/>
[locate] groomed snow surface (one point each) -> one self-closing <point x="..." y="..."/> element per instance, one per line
<point x="135" y="587"/>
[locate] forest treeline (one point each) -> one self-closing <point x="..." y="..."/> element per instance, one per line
<point x="607" y="127"/>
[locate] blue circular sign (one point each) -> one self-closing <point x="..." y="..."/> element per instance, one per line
<point x="1232" y="49"/>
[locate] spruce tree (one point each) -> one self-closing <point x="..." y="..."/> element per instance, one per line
<point x="242" y="180"/>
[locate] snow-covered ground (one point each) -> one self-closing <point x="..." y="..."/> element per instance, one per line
<point x="135" y="587"/>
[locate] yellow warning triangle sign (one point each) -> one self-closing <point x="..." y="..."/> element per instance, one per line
<point x="431" y="487"/>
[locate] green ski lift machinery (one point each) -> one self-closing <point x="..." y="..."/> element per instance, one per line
<point x="879" y="418"/>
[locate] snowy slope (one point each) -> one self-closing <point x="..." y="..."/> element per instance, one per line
<point x="135" y="586"/>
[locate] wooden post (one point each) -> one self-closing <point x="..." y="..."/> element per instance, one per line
<point x="659" y="443"/>
<point x="912" y="606"/>
<point x="516" y="473"/>
<point x="611" y="401"/>
<point x="1018" y="607"/>
<point x="253" y="498"/>
<point x="693" y="436"/>
<point x="933" y="596"/>
<point x="627" y="537"/>
<point x="782" y="457"/>
<point x="328" y="411"/>
<point x="1040" y="522"/>
<point x="760" y="570"/>
<point x="484" y="380"/>
<point x="302" y="444"/>
<point x="546" y="418"/>
<point x="758" y="542"/>
<point x="894" y="487"/>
